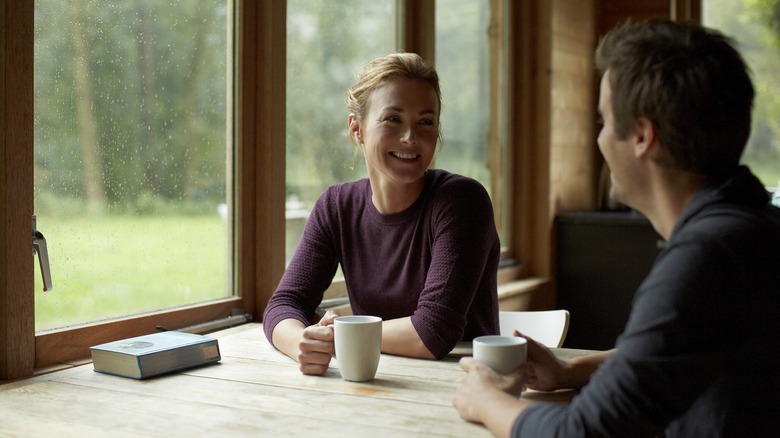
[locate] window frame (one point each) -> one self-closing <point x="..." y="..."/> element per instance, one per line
<point x="260" y="167"/>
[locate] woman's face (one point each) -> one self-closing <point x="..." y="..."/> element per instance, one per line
<point x="400" y="131"/>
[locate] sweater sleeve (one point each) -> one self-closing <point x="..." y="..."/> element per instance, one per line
<point x="309" y="273"/>
<point x="459" y="299"/>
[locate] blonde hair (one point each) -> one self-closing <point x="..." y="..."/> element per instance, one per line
<point x="393" y="66"/>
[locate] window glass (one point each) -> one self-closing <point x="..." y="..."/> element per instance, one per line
<point x="463" y="62"/>
<point x="755" y="24"/>
<point x="132" y="139"/>
<point x="327" y="45"/>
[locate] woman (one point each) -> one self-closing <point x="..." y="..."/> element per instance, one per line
<point x="418" y="247"/>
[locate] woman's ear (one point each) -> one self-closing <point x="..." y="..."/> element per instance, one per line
<point x="353" y="127"/>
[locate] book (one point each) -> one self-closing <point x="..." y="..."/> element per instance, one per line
<point x="151" y="355"/>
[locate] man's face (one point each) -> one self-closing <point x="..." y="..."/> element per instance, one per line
<point x="617" y="153"/>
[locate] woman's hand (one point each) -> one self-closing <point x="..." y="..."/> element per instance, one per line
<point x="327" y="319"/>
<point x="316" y="346"/>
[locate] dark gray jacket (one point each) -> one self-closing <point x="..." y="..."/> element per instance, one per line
<point x="700" y="354"/>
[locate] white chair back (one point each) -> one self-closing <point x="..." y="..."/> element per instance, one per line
<point x="548" y="327"/>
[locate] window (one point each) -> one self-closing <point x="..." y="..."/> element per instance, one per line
<point x="260" y="190"/>
<point x="132" y="139"/>
<point x="327" y="45"/>
<point x="468" y="54"/>
<point x="756" y="27"/>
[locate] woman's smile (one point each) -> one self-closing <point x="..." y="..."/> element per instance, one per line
<point x="404" y="156"/>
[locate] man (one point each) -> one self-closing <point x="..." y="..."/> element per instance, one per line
<point x="699" y="354"/>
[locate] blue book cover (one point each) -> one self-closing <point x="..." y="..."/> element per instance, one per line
<point x="155" y="354"/>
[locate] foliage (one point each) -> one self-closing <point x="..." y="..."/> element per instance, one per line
<point x="156" y="84"/>
<point x="463" y="65"/>
<point x="754" y="25"/>
<point x="327" y="44"/>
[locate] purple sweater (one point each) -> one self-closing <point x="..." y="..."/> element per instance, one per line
<point x="436" y="261"/>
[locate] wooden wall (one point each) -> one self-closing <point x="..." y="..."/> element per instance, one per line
<point x="613" y="12"/>
<point x="553" y="129"/>
<point x="573" y="150"/>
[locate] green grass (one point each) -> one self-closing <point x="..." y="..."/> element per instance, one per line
<point x="112" y="266"/>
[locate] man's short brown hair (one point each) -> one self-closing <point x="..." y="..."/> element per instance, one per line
<point x="690" y="82"/>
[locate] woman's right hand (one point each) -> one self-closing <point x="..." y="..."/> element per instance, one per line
<point x="316" y="346"/>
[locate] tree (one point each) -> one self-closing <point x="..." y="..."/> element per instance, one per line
<point x="130" y="102"/>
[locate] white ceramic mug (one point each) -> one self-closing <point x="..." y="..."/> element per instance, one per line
<point x="502" y="353"/>
<point x="358" y="341"/>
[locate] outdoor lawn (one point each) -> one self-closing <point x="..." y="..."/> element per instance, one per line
<point x="110" y="266"/>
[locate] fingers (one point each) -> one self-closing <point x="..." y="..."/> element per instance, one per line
<point x="318" y="333"/>
<point x="313" y="363"/>
<point x="328" y="318"/>
<point x="317" y="340"/>
<point x="479" y="375"/>
<point x="315" y="349"/>
<point x="464" y="402"/>
<point x="468" y="363"/>
<point x="534" y="348"/>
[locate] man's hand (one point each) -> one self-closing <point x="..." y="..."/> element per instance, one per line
<point x="487" y="397"/>
<point x="545" y="372"/>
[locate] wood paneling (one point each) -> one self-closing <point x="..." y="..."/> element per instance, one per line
<point x="528" y="133"/>
<point x="573" y="137"/>
<point x="613" y="13"/>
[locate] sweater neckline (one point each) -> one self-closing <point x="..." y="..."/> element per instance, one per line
<point x="403" y="216"/>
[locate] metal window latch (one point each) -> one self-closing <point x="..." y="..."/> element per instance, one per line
<point x="39" y="247"/>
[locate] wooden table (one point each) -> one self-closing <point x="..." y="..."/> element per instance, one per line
<point x="254" y="391"/>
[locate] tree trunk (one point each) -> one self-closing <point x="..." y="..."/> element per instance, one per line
<point x="192" y="156"/>
<point x="151" y="153"/>
<point x="91" y="156"/>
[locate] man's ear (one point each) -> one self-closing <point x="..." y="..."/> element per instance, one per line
<point x="645" y="138"/>
<point x="353" y="127"/>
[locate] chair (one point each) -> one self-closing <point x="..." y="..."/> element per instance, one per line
<point x="549" y="327"/>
